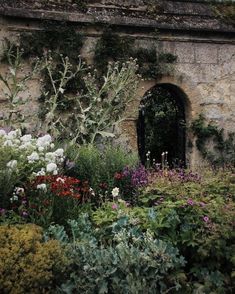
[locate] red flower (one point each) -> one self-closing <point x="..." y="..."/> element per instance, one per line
<point x="118" y="176"/>
<point x="64" y="186"/>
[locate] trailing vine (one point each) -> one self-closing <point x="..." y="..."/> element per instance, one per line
<point x="223" y="150"/>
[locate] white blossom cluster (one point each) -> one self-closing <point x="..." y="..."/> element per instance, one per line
<point x="37" y="153"/>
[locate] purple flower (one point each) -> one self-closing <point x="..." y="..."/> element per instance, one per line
<point x="24" y="214"/>
<point x="206" y="219"/>
<point x="190" y="202"/>
<point x="126" y="171"/>
<point x="2" y="210"/>
<point x="139" y="177"/>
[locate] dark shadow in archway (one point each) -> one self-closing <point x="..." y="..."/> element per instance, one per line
<point x="161" y="125"/>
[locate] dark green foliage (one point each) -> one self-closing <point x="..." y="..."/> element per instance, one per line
<point x="112" y="47"/>
<point x="58" y="37"/>
<point x="164" y="125"/>
<point x="223" y="151"/>
<point x="99" y="167"/>
<point x="196" y="216"/>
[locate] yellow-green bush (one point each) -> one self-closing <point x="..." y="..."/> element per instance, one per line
<point x="27" y="264"/>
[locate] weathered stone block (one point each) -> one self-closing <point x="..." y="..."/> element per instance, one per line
<point x="206" y="53"/>
<point x="184" y="52"/>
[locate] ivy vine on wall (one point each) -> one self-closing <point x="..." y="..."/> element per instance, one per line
<point x="222" y="151"/>
<point x="112" y="47"/>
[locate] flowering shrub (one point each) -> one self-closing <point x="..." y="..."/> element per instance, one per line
<point x="174" y="175"/>
<point x="103" y="169"/>
<point x="63" y="186"/>
<point x="24" y="157"/>
<point x="50" y="198"/>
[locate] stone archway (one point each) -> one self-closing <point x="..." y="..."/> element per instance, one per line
<point x="184" y="88"/>
<point x="161" y="124"/>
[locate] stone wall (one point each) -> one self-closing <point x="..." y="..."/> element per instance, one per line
<point x="205" y="47"/>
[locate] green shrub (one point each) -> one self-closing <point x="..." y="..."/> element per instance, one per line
<point x="195" y="216"/>
<point x="123" y="261"/>
<point x="98" y="167"/>
<point x="27" y="264"/>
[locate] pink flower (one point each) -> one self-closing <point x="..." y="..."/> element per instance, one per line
<point x="190" y="202"/>
<point x="114" y="206"/>
<point x="206" y="219"/>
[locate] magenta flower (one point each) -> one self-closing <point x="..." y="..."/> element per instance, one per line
<point x="190" y="202"/>
<point x="114" y="206"/>
<point x="206" y="219"/>
<point x="24" y="214"/>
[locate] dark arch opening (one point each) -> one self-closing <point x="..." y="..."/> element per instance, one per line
<point x="161" y="125"/>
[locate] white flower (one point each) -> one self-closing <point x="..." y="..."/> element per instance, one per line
<point x="52" y="167"/>
<point x="12" y="164"/>
<point x="33" y="157"/>
<point x="14" y="198"/>
<point x="26" y="145"/>
<point x="2" y="132"/>
<point x="60" y="180"/>
<point x="8" y="143"/>
<point x="17" y="142"/>
<point x="26" y="138"/>
<point x="59" y="152"/>
<point x="52" y="145"/>
<point x="50" y="157"/>
<point x="41" y="172"/>
<point x="41" y="149"/>
<point x="92" y="192"/>
<point x="115" y="192"/>
<point x="44" y="141"/>
<point x="19" y="190"/>
<point x="42" y="187"/>
<point x="13" y="134"/>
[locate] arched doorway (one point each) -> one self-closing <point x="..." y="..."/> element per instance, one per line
<point x="161" y="125"/>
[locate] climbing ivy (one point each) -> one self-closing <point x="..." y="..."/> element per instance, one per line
<point x="59" y="37"/>
<point x="223" y="150"/>
<point x="112" y="47"/>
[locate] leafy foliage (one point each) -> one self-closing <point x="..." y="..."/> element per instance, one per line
<point x="112" y="47"/>
<point x="97" y="109"/>
<point x="15" y="83"/>
<point x="194" y="217"/>
<point x="100" y="167"/>
<point x="132" y="263"/>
